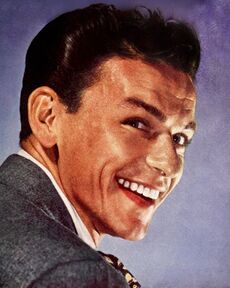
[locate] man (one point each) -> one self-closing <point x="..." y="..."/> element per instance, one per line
<point x="107" y="110"/>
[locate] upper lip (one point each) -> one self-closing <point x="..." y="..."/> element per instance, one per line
<point x="145" y="184"/>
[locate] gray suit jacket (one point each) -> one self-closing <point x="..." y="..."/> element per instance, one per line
<point x="39" y="246"/>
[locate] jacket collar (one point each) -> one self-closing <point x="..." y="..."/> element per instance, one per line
<point x="31" y="182"/>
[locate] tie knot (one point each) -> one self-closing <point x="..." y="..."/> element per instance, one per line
<point x="118" y="265"/>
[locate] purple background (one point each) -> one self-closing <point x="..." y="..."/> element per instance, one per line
<point x="188" y="244"/>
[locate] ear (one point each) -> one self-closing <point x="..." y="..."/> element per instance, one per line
<point x="42" y="113"/>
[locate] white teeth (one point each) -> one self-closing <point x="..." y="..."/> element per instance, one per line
<point x="154" y="194"/>
<point x="134" y="186"/>
<point x="140" y="189"/>
<point x="126" y="184"/>
<point x="146" y="192"/>
<point x="121" y="181"/>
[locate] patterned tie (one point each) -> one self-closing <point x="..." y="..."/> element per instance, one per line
<point x="117" y="264"/>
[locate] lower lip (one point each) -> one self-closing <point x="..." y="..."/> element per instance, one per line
<point x="138" y="199"/>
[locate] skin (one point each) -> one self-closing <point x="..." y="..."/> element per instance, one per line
<point x="112" y="136"/>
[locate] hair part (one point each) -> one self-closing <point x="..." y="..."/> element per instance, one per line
<point x="66" y="53"/>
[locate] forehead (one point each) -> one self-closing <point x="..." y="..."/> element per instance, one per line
<point x="169" y="90"/>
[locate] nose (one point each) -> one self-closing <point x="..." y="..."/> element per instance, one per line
<point x="163" y="156"/>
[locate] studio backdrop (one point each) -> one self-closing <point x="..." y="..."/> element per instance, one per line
<point x="188" y="243"/>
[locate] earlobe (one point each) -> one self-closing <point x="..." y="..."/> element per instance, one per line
<point x="41" y="114"/>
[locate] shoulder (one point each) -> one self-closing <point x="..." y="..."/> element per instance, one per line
<point x="39" y="251"/>
<point x="37" y="247"/>
<point x="79" y="274"/>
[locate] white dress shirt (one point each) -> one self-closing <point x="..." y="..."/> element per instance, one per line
<point x="82" y="231"/>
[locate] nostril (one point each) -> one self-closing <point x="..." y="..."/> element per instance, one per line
<point x="160" y="171"/>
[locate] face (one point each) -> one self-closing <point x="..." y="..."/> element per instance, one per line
<point x="122" y="152"/>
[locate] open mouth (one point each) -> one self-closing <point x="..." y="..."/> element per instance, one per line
<point x="146" y="193"/>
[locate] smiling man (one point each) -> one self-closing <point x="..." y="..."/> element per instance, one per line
<point x="107" y="111"/>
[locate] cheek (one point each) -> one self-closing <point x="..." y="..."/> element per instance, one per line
<point x="125" y="143"/>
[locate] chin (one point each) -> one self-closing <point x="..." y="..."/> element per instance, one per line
<point x="137" y="236"/>
<point x="133" y="235"/>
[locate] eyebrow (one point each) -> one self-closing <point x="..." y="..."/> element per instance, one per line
<point x="149" y="108"/>
<point x="155" y="111"/>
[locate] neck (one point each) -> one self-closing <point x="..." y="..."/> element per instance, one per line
<point x="48" y="157"/>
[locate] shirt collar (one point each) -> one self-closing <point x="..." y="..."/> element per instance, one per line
<point x="82" y="231"/>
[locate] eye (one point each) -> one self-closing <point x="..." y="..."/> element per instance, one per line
<point x="137" y="123"/>
<point x="181" y="139"/>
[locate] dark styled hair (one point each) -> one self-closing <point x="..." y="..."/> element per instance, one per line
<point x="67" y="51"/>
